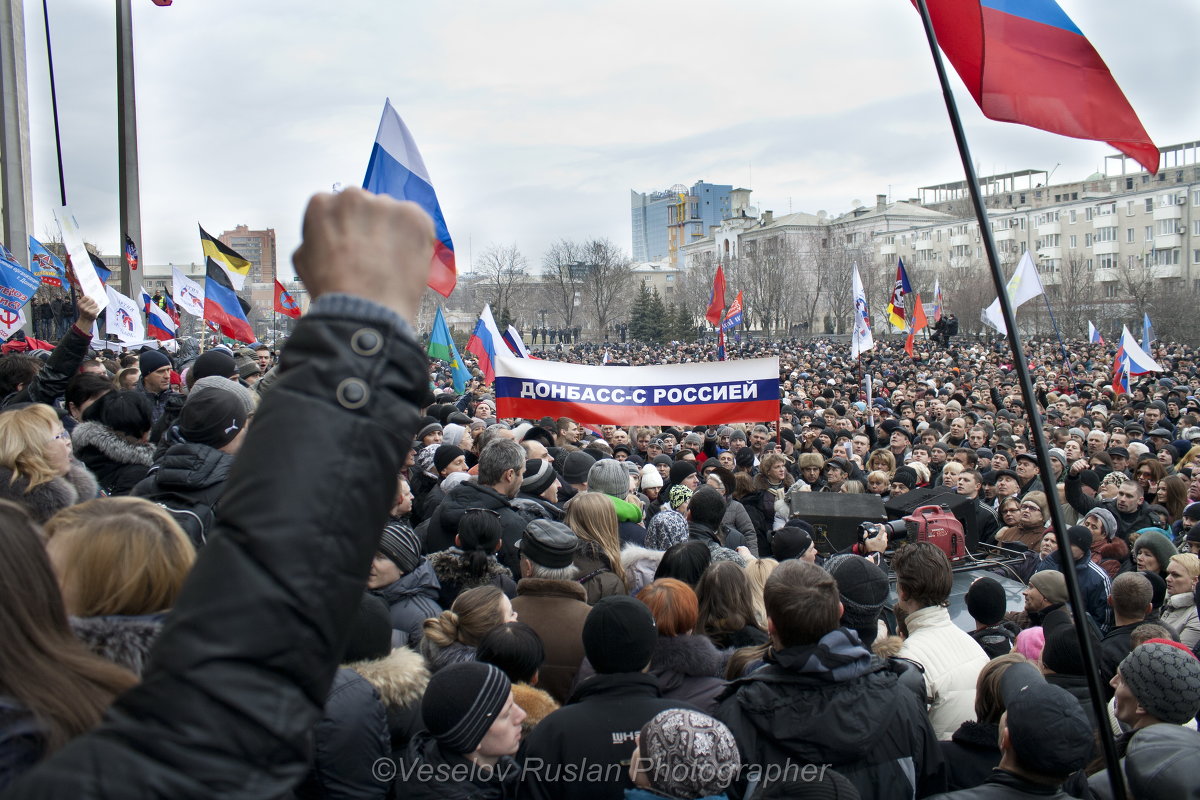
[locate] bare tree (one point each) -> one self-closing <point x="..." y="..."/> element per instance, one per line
<point x="1138" y="287"/>
<point x="1073" y="297"/>
<point x="1175" y="316"/>
<point x="503" y="270"/>
<point x="562" y="278"/>
<point x="836" y="279"/>
<point x="967" y="289"/>
<point x="776" y="282"/>
<point x="606" y="282"/>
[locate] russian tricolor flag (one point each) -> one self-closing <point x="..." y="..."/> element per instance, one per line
<point x="158" y="323"/>
<point x="512" y="338"/>
<point x="222" y="306"/>
<point x="484" y="343"/>
<point x="1025" y="61"/>
<point x="1094" y="335"/>
<point x="397" y="170"/>
<point x="1131" y="359"/>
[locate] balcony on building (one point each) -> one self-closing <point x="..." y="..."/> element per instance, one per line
<point x="1167" y="271"/>
<point x="1050" y="252"/>
<point x="887" y="250"/>
<point x="1168" y="241"/>
<point x="923" y="244"/>
<point x="1106" y="248"/>
<point x="1107" y="275"/>
<point x="1168" y="212"/>
<point x="1049" y="228"/>
<point x="1005" y="235"/>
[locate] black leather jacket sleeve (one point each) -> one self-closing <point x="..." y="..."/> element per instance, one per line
<point x="242" y="668"/>
<point x="51" y="382"/>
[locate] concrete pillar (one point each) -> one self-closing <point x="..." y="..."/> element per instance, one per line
<point x="127" y="155"/>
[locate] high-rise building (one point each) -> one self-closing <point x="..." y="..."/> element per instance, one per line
<point x="257" y="247"/>
<point x="665" y="221"/>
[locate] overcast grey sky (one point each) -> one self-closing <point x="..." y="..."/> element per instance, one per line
<point x="536" y="118"/>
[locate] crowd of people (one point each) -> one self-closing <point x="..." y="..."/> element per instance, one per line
<point x="328" y="576"/>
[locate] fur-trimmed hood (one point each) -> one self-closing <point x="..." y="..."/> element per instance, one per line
<point x="110" y="444"/>
<point x="450" y="567"/>
<point x="688" y="655"/>
<point x="46" y="500"/>
<point x="400" y="677"/>
<point x="640" y="564"/>
<point x="536" y="703"/>
<point x="120" y="639"/>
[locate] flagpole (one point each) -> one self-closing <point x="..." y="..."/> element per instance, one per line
<point x="1099" y="707"/>
<point x="1058" y="333"/>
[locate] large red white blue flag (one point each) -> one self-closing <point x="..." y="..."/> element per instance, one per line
<point x="706" y="393"/>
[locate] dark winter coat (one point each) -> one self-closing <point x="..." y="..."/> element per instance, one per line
<point x="834" y="703"/>
<point x="532" y="507"/>
<point x="450" y="568"/>
<point x="737" y="518"/>
<point x="365" y="695"/>
<point x="117" y="462"/>
<point x="1113" y="648"/>
<point x="556" y="610"/>
<point x="1126" y="523"/>
<point x="443" y="524"/>
<point x="160" y="400"/>
<point x="47" y="499"/>
<point x="998" y="639"/>
<point x="351" y="736"/>
<point x="689" y="668"/>
<point x="426" y="758"/>
<point x="189" y="480"/>
<point x="971" y="754"/>
<point x="412" y="600"/>
<point x="21" y="744"/>
<point x="1093" y="581"/>
<point x="595" y="575"/>
<point x="596" y="727"/>
<point x="1001" y="785"/>
<point x="122" y="640"/>
<point x="424" y="504"/>
<point x="749" y="636"/>
<point x="240" y="676"/>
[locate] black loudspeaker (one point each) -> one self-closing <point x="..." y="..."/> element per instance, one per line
<point x="963" y="508"/>
<point x="836" y="517"/>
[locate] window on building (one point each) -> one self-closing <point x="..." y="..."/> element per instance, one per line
<point x="1088" y="213"/>
<point x="1196" y="227"/>
<point x="1110" y="290"/>
<point x="1105" y="234"/>
<point x="1166" y="227"/>
<point x="1149" y="204"/>
<point x="1149" y="233"/>
<point x="1087" y="240"/>
<point x="1074" y="241"/>
<point x="1129" y="183"/>
<point x="1196" y="256"/>
<point x="1196" y="197"/>
<point x="1072" y="215"/>
<point x="1129" y="208"/>
<point x="1130" y="235"/>
<point x="1108" y="261"/>
<point x="1089" y="264"/>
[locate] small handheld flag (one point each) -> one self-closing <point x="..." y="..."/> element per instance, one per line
<point x="1094" y="335"/>
<point x="862" y="340"/>
<point x="902" y="287"/>
<point x="1147" y="332"/>
<point x="284" y="303"/>
<point x="716" y="301"/>
<point x="397" y="170"/>
<point x="131" y="253"/>
<point x="484" y="344"/>
<point x="46" y="265"/>
<point x="122" y="318"/>
<point x="512" y="338"/>
<point x="735" y="316"/>
<point x="442" y="346"/>
<point x="189" y="293"/>
<point x="158" y="323"/>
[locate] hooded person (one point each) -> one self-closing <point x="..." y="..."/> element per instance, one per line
<point x="189" y="477"/>
<point x="370" y="711"/>
<point x="472" y="731"/>
<point x="1094" y="583"/>
<point x="405" y="580"/>
<point x="608" y="477"/>
<point x="596" y="724"/>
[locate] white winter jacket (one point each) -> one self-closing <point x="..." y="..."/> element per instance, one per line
<point x="1180" y="613"/>
<point x="952" y="660"/>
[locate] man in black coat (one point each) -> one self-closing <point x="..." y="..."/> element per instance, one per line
<point x="501" y="468"/>
<point x="1129" y="597"/>
<point x="596" y="730"/>
<point x="245" y="663"/>
<point x="822" y="698"/>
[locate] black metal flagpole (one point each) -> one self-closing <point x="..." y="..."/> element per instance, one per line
<point x="1115" y="775"/>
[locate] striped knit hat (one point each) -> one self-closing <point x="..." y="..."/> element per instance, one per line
<point x="461" y="702"/>
<point x="399" y="543"/>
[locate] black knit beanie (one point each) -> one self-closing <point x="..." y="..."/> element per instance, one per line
<point x="461" y="702"/>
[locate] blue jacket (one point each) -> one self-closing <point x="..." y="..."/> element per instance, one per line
<point x="1094" y="584"/>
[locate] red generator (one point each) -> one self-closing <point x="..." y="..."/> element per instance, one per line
<point x="938" y="526"/>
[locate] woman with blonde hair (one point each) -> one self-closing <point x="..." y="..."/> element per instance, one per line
<point x="1189" y="459"/>
<point x="758" y="571"/>
<point x="598" y="558"/>
<point x="121" y="563"/>
<point x="452" y="636"/>
<point x="53" y="689"/>
<point x="37" y="470"/>
<point x="1179" y="611"/>
<point x="883" y="461"/>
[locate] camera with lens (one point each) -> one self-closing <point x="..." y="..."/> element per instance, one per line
<point x="896" y="529"/>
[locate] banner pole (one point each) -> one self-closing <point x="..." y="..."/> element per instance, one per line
<point x="1038" y="437"/>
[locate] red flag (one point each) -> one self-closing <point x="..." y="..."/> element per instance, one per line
<point x="1028" y="63"/>
<point x="716" y="303"/>
<point x="919" y="321"/>
<point x="161" y="2"/>
<point x="284" y="303"/>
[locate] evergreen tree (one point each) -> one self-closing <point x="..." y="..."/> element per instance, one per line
<point x="683" y="327"/>
<point x="657" y="321"/>
<point x="639" y="328"/>
<point x="505" y="320"/>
